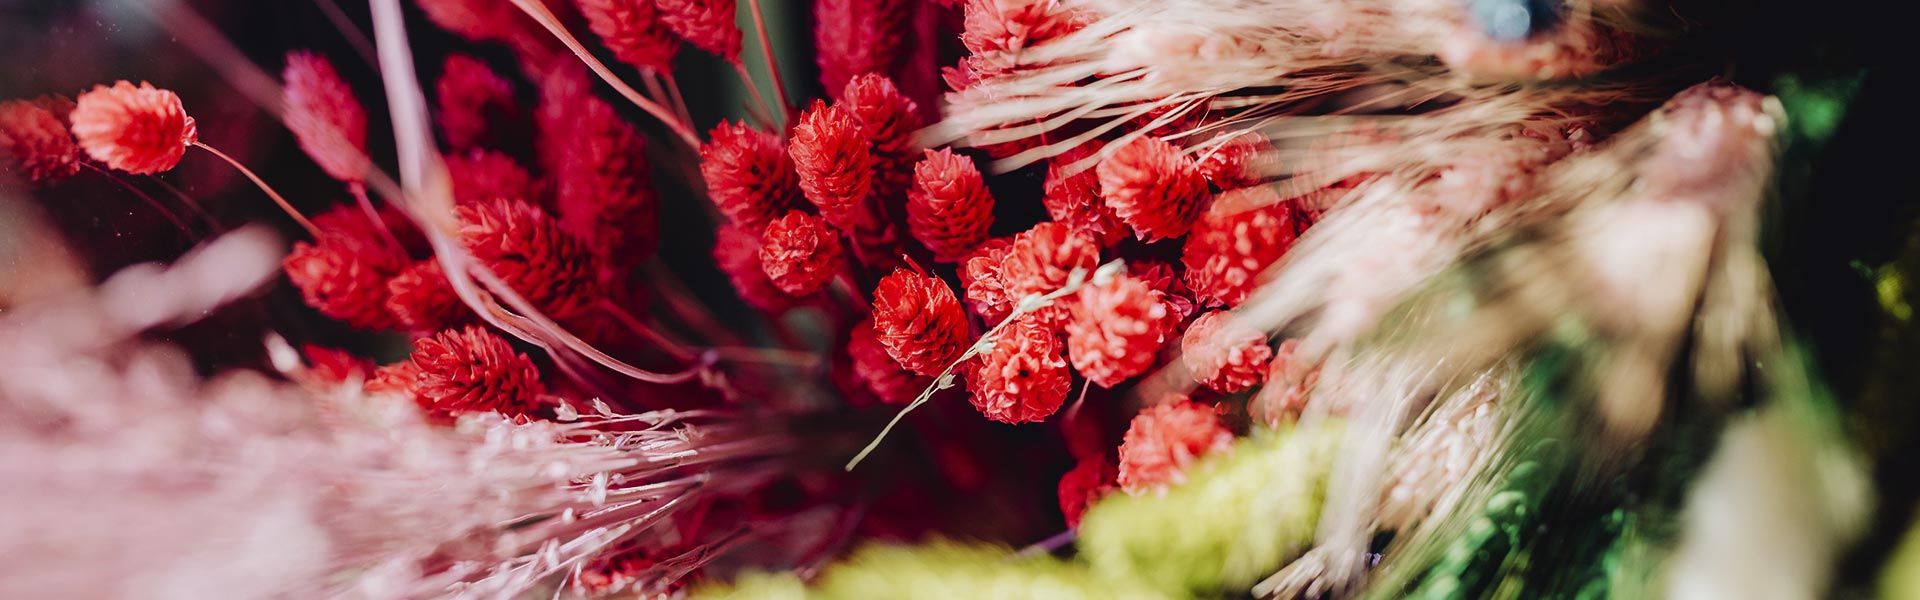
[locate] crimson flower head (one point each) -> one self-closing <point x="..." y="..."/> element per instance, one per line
<point x="834" y="160"/>
<point x="328" y="121"/>
<point x="422" y="300"/>
<point x="737" y="251"/>
<point x="1000" y="26"/>
<point x="468" y="370"/>
<point x="1163" y="441"/>
<point x="889" y="119"/>
<point x="1225" y="357"/>
<point x="1243" y="233"/>
<point x="1075" y="199"/>
<point x="533" y="254"/>
<point x="604" y="185"/>
<point x="1090" y="479"/>
<point x="1153" y="188"/>
<point x="475" y="20"/>
<point x="918" y="320"/>
<point x="981" y="277"/>
<point x="949" y="209"/>
<point x="1116" y="330"/>
<point x="138" y="129"/>
<point x="876" y="368"/>
<point x="35" y="146"/>
<point x="1235" y="164"/>
<point x="481" y="175"/>
<point x="855" y="37"/>
<point x="634" y="31"/>
<point x="469" y="96"/>
<point x="1024" y="378"/>
<point x="748" y="173"/>
<point x="707" y="24"/>
<point x="1041" y="261"/>
<point x="800" y="253"/>
<point x="345" y="277"/>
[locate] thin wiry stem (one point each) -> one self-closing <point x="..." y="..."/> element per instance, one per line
<point x="355" y="37"/>
<point x="162" y="208"/>
<point x="773" y="67"/>
<point x="359" y="191"/>
<point x="546" y="18"/>
<point x="761" y="109"/>
<point x="262" y="184"/>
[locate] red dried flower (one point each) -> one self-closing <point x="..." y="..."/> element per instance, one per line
<point x="748" y="173"/>
<point x="980" y="276"/>
<point x="634" y="31"/>
<point x="919" y="321"/>
<point x="1116" y="330"/>
<point x="603" y="184"/>
<point x="994" y="26"/>
<point x="480" y="175"/>
<point x="707" y="24"/>
<point x="889" y="120"/>
<point x="1235" y="164"/>
<point x="800" y="253"/>
<point x="345" y="277"/>
<point x="1024" y="378"/>
<point x="352" y="221"/>
<point x="35" y="146"/>
<point x="1243" y="233"/>
<point x="423" y="301"/>
<point x="469" y="97"/>
<point x="1153" y="188"/>
<point x="138" y="129"/>
<point x="949" y="209"/>
<point x="1163" y="441"/>
<point x="737" y="251"/>
<point x="876" y="368"/>
<point x="1075" y="199"/>
<point x="328" y="121"/>
<point x="332" y="366"/>
<point x="1090" y="479"/>
<point x="468" y="370"/>
<point x="533" y="254"/>
<point x="1225" y="357"/>
<point x="855" y="37"/>
<point x="834" y="161"/>
<point x="1041" y="261"/>
<point x="1173" y="292"/>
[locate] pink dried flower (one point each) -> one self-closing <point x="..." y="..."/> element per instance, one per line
<point x="1090" y="479"/>
<point x="918" y="320"/>
<point x="1041" y="261"/>
<point x="1075" y="199"/>
<point x="889" y="119"/>
<point x="981" y="277"/>
<point x="138" y="129"/>
<point x="749" y="175"/>
<point x="534" y="255"/>
<point x="345" y="277"/>
<point x="949" y="208"/>
<point x="603" y="184"/>
<point x="855" y="37"/>
<point x="1235" y="241"/>
<point x="800" y="253"/>
<point x="469" y="97"/>
<point x="737" y="252"/>
<point x="1164" y="441"/>
<point x="1225" y="357"/>
<point x="35" y="146"/>
<point x="1153" y="188"/>
<point x="481" y="175"/>
<point x="1236" y="163"/>
<point x="876" y="368"/>
<point x="1024" y="378"/>
<point x="423" y="301"/>
<point x="707" y="24"/>
<point x="1116" y="330"/>
<point x="634" y="31"/>
<point x="325" y="117"/>
<point x="465" y="371"/>
<point x="1008" y="26"/>
<point x="835" y="161"/>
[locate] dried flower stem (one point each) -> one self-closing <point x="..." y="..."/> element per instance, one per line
<point x="355" y="37"/>
<point x="175" y="218"/>
<point x="762" y="111"/>
<point x="284" y="205"/>
<point x="679" y="351"/>
<point x="773" y="67"/>
<point x="359" y="191"/>
<point x="546" y="18"/>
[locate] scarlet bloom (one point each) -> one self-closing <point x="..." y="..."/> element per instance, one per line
<point x="981" y="277"/>
<point x="748" y="173"/>
<point x="352" y="221"/>
<point x="737" y="251"/>
<point x="918" y="320"/>
<point x="468" y="370"/>
<point x="345" y="277"/>
<point x="1235" y="164"/>
<point x="475" y="20"/>
<point x="332" y="366"/>
<point x="1042" y="260"/>
<point x="854" y="37"/>
<point x="328" y="121"/>
<point x="834" y="160"/>
<point x="800" y="253"/>
<point x="138" y="129"/>
<point x="422" y="300"/>
<point x="707" y="24"/>
<point x="35" y="146"/>
<point x="1024" y="378"/>
<point x="1163" y="441"/>
<point x="469" y="96"/>
<point x="1153" y="188"/>
<point x="481" y="175"/>
<point x="888" y="118"/>
<point x="877" y="369"/>
<point x="1116" y="330"/>
<point x="1245" y="231"/>
<point x="1090" y="479"/>
<point x="1225" y="357"/>
<point x="949" y="209"/>
<point x="1173" y="292"/>
<point x="603" y="184"/>
<point x="530" y="251"/>
<point x="1075" y="199"/>
<point x="1006" y="26"/>
<point x="634" y="31"/>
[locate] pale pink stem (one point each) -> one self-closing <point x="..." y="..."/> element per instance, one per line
<point x="359" y="191"/>
<point x="679" y="351"/>
<point x="277" y="199"/>
<point x="190" y="203"/>
<point x="679" y="99"/>
<point x="546" y="18"/>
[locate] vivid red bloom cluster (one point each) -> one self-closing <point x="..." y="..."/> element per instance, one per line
<point x="749" y="175"/>
<point x="856" y="37"/>
<point x="707" y="24"/>
<point x="887" y="119"/>
<point x="1225" y="357"/>
<point x="468" y="96"/>
<point x="1236" y="239"/>
<point x="423" y="301"/>
<point x="603" y="185"/>
<point x="325" y="116"/>
<point x="1024" y="378"/>
<point x="479" y="175"/>
<point x="536" y="257"/>
<point x="464" y="371"/>
<point x="800" y="253"/>
<point x="834" y="157"/>
<point x="1153" y="188"/>
<point x="918" y="320"/>
<point x="1163" y="441"/>
<point x="1073" y="197"/>
<point x="634" y="31"/>
<point x="737" y="252"/>
<point x="877" y="369"/>
<point x="949" y="209"/>
<point x="1090" y="479"/>
<point x="35" y="146"/>
<point x="342" y="274"/>
<point x="138" y="129"/>
<point x="1042" y="260"/>
<point x="1116" y="330"/>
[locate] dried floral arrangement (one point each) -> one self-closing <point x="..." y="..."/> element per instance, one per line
<point x="1182" y="298"/>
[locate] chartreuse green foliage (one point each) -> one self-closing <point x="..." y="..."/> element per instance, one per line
<point x="939" y="571"/>
<point x="1901" y="578"/>
<point x="1238" y="519"/>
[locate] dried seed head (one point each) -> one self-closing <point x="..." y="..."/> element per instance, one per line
<point x="1163" y="441"/>
<point x="423" y="301"/>
<point x="1042" y="260"/>
<point x="889" y="120"/>
<point x="1090" y="479"/>
<point x="855" y="37"/>
<point x="981" y="276"/>
<point x="1116" y="330"/>
<point x="138" y="129"/>
<point x="634" y="30"/>
<point x="918" y="320"/>
<point x="835" y="161"/>
<point x="949" y="208"/>
<point x="1225" y="357"/>
<point x="604" y="187"/>
<point x="1024" y="378"/>
<point x="325" y="117"/>
<point x="876" y="368"/>
<point x="345" y="277"/>
<point x="737" y="251"/>
<point x="469" y="96"/>
<point x="534" y="255"/>
<point x="468" y="370"/>
<point x="1153" y="188"/>
<point x="1243" y="233"/>
<point x="707" y="24"/>
<point x="749" y="175"/>
<point x="800" y="253"/>
<point x="1075" y="199"/>
<point x="35" y="146"/>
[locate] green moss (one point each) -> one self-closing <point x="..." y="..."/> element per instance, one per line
<point x="938" y="571"/>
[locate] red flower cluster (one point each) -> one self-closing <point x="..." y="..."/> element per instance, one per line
<point x="469" y="95"/>
<point x="634" y="31"/>
<point x="834" y="158"/>
<point x="918" y="320"/>
<point x="749" y="176"/>
<point x="1236" y="239"/>
<point x="1224" y="357"/>
<point x="465" y="371"/>
<point x="341" y="275"/>
<point x="481" y="175"/>
<point x="138" y="129"/>
<point x="1163" y="441"/>
<point x="1024" y="378"/>
<point x="35" y="146"/>
<point x="707" y="24"/>
<point x="855" y="37"/>
<point x="325" y="116"/>
<point x="800" y="253"/>
<point x="534" y="255"/>
<point x="1153" y="188"/>
<point x="949" y="209"/>
<point x="874" y="365"/>
<point x="1117" y="330"/>
<point x="1042" y="260"/>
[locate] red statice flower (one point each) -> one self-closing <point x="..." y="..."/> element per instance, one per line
<point x="1153" y="188"/>
<point x="834" y="160"/>
<point x="469" y="97"/>
<point x="737" y="252"/>
<point x="534" y="255"/>
<point x="889" y="119"/>
<point x="1041" y="261"/>
<point x="480" y="175"/>
<point x="1243" y="233"/>
<point x="855" y="37"/>
<point x="1009" y="26"/>
<point x="468" y="370"/>
<point x="1090" y="479"/>
<point x="35" y="146"/>
<point x="981" y="277"/>
<point x="949" y="208"/>
<point x="634" y="31"/>
<point x="1236" y="163"/>
<point x="1024" y="378"/>
<point x="1164" y="441"/>
<point x="138" y="129"/>
<point x="603" y="185"/>
<point x="1116" y="330"/>
<point x="800" y="253"/>
<point x="877" y="369"/>
<point x="325" y="117"/>
<point x="1225" y="357"/>
<point x="707" y="24"/>
<point x="749" y="175"/>
<point x="1075" y="199"/>
<point x="918" y="320"/>
<point x="345" y="277"/>
<point x="423" y="301"/>
<point x="1163" y="279"/>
